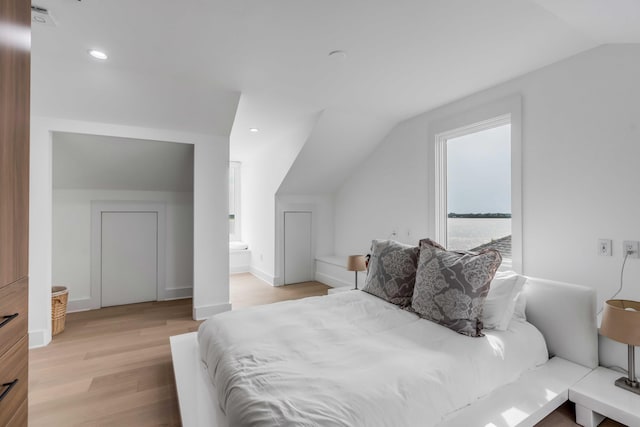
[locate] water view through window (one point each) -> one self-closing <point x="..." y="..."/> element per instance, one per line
<point x="479" y="190"/>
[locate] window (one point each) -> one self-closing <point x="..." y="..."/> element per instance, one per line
<point x="479" y="190"/>
<point x="476" y="193"/>
<point x="234" y="201"/>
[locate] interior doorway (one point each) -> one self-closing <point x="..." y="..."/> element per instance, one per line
<point x="131" y="199"/>
<point x="128" y="252"/>
<point x="129" y="257"/>
<point x="298" y="255"/>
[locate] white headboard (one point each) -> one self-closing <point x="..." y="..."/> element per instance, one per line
<point x="566" y="316"/>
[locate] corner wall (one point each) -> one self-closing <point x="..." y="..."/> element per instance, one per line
<point x="580" y="151"/>
<point x="321" y="208"/>
<point x="72" y="240"/>
<point x="261" y="174"/>
<point x="210" y="216"/>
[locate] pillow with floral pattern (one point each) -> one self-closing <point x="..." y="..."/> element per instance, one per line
<point x="451" y="287"/>
<point x="392" y="271"/>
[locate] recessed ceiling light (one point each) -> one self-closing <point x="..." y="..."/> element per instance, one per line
<point x="98" y="54"/>
<point x="254" y="130"/>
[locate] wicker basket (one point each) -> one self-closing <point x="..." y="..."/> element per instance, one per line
<point x="59" y="298"/>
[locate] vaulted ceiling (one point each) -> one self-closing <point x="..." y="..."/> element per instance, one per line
<point x="225" y="66"/>
<point x="94" y="162"/>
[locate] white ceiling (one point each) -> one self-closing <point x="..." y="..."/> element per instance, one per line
<point x="224" y="66"/>
<point x="108" y="163"/>
<point x="605" y="21"/>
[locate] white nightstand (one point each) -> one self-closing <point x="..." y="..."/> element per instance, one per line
<point x="339" y="289"/>
<point x="596" y="397"/>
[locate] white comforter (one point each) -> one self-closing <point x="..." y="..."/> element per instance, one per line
<point x="352" y="359"/>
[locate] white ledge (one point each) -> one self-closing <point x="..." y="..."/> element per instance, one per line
<point x="340" y="261"/>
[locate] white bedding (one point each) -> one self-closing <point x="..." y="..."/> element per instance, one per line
<point x="352" y="359"/>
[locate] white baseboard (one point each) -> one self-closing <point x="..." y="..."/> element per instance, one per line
<point x="178" y="293"/>
<point x="82" y="304"/>
<point x="205" y="311"/>
<point x="262" y="275"/>
<point x="334" y="282"/>
<point x="39" y="338"/>
<point x="239" y="269"/>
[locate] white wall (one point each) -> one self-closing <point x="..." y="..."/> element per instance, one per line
<point x="386" y="193"/>
<point x="581" y="145"/>
<point x="210" y="216"/>
<point x="72" y="239"/>
<point x="262" y="173"/>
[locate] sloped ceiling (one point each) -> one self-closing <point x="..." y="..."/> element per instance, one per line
<point x="109" y="163"/>
<point x="185" y="65"/>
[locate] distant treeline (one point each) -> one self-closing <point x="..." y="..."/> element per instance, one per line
<point x="479" y="215"/>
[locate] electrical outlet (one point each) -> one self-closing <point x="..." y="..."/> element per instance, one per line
<point x="631" y="247"/>
<point x="604" y="247"/>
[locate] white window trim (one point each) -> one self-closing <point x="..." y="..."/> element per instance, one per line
<point x="235" y="167"/>
<point x="497" y="113"/>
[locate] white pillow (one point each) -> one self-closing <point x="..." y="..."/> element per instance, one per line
<point x="500" y="304"/>
<point x="520" y="307"/>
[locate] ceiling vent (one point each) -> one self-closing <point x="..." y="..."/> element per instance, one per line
<point x="40" y="15"/>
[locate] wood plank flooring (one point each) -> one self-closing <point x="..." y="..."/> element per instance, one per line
<point x="112" y="367"/>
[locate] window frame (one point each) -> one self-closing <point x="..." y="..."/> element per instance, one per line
<point x="497" y="113"/>
<point x="234" y="167"/>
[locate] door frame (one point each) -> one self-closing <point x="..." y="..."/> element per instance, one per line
<point x="281" y="208"/>
<point x="97" y="208"/>
<point x="284" y="248"/>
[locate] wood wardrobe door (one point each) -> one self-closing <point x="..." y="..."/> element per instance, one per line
<point x="15" y="16"/>
<point x="15" y="75"/>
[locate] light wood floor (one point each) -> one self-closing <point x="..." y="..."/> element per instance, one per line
<point x="112" y="367"/>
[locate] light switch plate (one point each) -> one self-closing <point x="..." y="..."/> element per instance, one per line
<point x="604" y="247"/>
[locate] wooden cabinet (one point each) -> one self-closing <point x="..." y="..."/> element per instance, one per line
<point x="13" y="380"/>
<point x="13" y="314"/>
<point x="15" y="18"/>
<point x="14" y="141"/>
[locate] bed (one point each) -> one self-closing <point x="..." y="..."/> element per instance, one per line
<point x="517" y="388"/>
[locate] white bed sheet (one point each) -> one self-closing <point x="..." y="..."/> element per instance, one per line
<point x="351" y="359"/>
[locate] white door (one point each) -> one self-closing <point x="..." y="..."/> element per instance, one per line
<point x="298" y="260"/>
<point x="129" y="257"/>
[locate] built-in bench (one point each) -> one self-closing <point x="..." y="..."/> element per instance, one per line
<point x="239" y="258"/>
<point x="332" y="270"/>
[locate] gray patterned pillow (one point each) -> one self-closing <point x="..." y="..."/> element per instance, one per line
<point x="451" y="286"/>
<point x="392" y="271"/>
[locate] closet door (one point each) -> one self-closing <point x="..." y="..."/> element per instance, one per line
<point x="129" y="257"/>
<point x="14" y="143"/>
<point x="298" y="258"/>
<point x="14" y="210"/>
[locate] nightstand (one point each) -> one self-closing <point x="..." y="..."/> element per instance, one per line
<point x="340" y="289"/>
<point x="596" y="397"/>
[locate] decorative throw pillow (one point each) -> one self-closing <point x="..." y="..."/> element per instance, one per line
<point x="392" y="271"/>
<point x="501" y="300"/>
<point x="451" y="286"/>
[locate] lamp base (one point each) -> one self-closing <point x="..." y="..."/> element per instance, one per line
<point x="625" y="383"/>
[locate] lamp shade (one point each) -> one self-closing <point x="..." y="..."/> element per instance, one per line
<point x="356" y="263"/>
<point x="621" y="321"/>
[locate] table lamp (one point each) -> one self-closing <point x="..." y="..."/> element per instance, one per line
<point x="621" y="322"/>
<point x="356" y="263"/>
